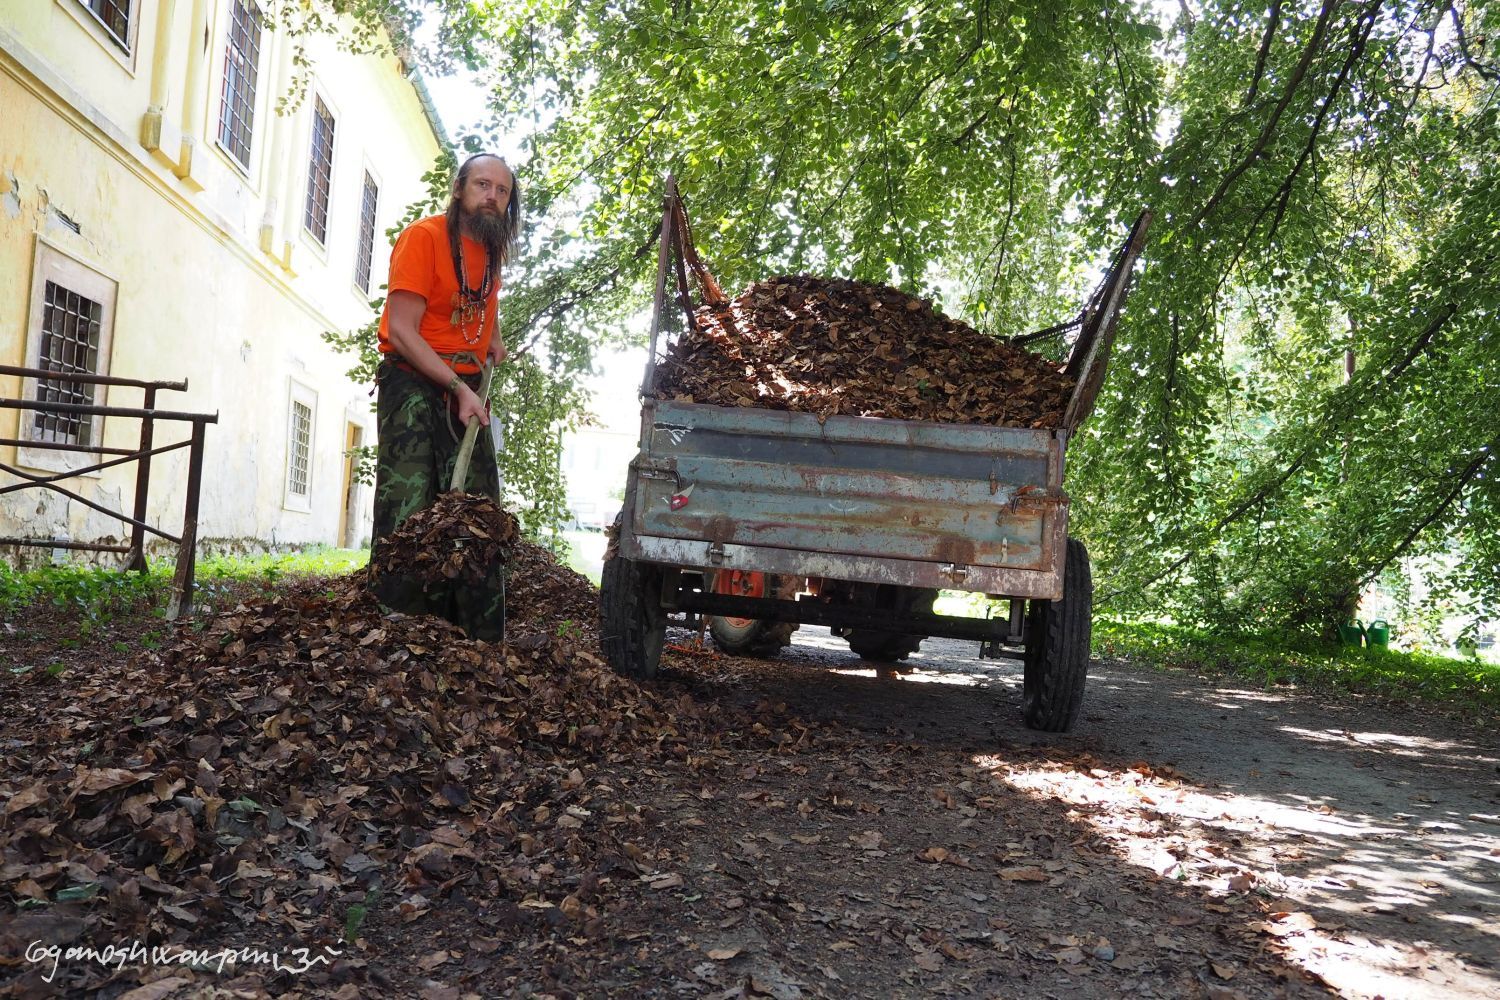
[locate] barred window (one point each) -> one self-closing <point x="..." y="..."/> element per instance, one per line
<point x="299" y="452"/>
<point x="115" y="16"/>
<point x="241" y="65"/>
<point x="366" y="253"/>
<point x="319" y="172"/>
<point x="71" y="324"/>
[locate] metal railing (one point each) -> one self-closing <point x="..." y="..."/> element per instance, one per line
<point x="187" y="542"/>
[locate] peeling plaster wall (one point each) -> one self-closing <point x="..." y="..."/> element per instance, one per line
<point x="218" y="283"/>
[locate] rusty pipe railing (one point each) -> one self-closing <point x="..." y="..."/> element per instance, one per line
<point x="182" y="581"/>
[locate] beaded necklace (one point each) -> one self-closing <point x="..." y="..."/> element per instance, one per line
<point x="470" y="299"/>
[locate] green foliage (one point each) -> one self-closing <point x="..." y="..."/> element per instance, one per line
<point x="94" y="596"/>
<point x="354" y="916"/>
<point x="1291" y="659"/>
<point x="1325" y="179"/>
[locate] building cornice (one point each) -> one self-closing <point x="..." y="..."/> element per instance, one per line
<point x="42" y="81"/>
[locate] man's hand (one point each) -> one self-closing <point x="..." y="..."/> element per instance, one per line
<point x="471" y="406"/>
<point x="498" y="353"/>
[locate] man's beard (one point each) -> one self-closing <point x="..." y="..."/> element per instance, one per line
<point x="488" y="228"/>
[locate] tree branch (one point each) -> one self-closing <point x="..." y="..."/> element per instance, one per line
<point x="1265" y="50"/>
<point x="1485" y="70"/>
<point x="1314" y="46"/>
<point x="1283" y="194"/>
<point x="1485" y="454"/>
<point x="1423" y="341"/>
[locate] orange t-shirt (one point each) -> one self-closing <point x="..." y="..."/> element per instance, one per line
<point x="422" y="262"/>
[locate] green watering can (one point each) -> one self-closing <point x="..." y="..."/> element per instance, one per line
<point x="1352" y="633"/>
<point x="1378" y="634"/>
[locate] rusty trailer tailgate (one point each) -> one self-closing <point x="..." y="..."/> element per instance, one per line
<point x="884" y="501"/>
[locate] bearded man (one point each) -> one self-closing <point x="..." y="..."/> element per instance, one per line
<point x="440" y="324"/>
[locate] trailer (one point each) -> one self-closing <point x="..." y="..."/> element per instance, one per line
<point x="762" y="520"/>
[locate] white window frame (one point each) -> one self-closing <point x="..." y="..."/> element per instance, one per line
<point x="316" y="93"/>
<point x="89" y="21"/>
<point x="52" y="263"/>
<point x="216" y="97"/>
<point x="305" y="395"/>
<point x="363" y="294"/>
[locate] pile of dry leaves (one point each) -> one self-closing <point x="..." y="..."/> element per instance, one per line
<point x="276" y="762"/>
<point x="831" y="346"/>
<point x="458" y="538"/>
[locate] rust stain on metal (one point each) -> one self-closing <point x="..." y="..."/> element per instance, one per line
<point x="720" y="529"/>
<point x="958" y="551"/>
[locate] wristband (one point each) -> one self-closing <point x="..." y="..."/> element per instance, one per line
<point x="453" y="384"/>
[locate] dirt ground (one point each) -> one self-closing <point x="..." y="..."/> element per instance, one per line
<point x="1377" y="827"/>
<point x="901" y="835"/>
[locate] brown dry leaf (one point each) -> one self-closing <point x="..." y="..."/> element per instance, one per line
<point x="26" y="798"/>
<point x="157" y="990"/>
<point x="1282" y="924"/>
<point x="668" y="881"/>
<point x="431" y="961"/>
<point x="1216" y="992"/>
<point x="870" y="840"/>
<point x="829" y="346"/>
<point x="1225" y="972"/>
<point x="1131" y="962"/>
<point x="723" y="954"/>
<point x="934" y="855"/>
<point x="1024" y="874"/>
<point x="92" y="781"/>
<point x="1242" y="882"/>
<point x="929" y="961"/>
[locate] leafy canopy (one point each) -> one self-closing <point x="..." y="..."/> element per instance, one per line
<point x="1303" y="391"/>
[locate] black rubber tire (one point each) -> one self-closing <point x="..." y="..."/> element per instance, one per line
<point x="632" y="622"/>
<point x="892" y="647"/>
<point x="762" y="639"/>
<point x="757" y="638"/>
<point x="1057" y="648"/>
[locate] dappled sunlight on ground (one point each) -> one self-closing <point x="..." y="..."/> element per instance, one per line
<point x="1356" y="839"/>
<point x="1368" y="837"/>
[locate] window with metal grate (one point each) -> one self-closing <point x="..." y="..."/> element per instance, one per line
<point x="299" y="454"/>
<point x="319" y="172"/>
<point x="241" y="68"/>
<point x="115" y="15"/>
<point x="366" y="253"/>
<point x="71" y="325"/>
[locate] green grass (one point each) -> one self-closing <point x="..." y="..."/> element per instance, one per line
<point x="1305" y="662"/>
<point x="95" y="594"/>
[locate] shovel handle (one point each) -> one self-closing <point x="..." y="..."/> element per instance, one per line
<point x="466" y="449"/>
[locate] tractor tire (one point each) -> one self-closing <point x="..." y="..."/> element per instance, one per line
<point x="750" y="636"/>
<point x="632" y="622"/>
<point x="1057" y="649"/>
<point x="892" y="647"/>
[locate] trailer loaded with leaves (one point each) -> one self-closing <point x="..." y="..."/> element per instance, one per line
<point x="820" y="451"/>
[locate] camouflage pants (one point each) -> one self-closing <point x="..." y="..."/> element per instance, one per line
<point x="419" y="445"/>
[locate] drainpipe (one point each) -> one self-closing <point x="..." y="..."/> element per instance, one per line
<point x="194" y="93"/>
<point x="278" y="176"/>
<point x="161" y="90"/>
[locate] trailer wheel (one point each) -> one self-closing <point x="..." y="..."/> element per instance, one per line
<point x="751" y="636"/>
<point x="1057" y="648"/>
<point x="891" y="647"/>
<point x="632" y="623"/>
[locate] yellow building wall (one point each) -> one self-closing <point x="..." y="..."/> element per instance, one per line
<point x="218" y="282"/>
